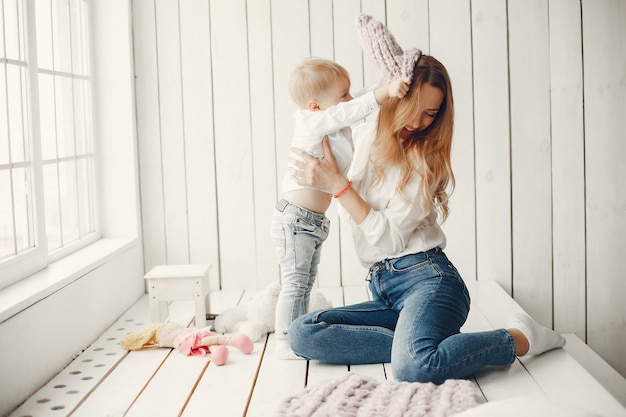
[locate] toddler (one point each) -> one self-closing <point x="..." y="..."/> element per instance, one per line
<point x="321" y="89"/>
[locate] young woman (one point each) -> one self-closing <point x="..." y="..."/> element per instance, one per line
<point x="400" y="177"/>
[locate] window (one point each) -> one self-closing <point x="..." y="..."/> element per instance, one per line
<point x="47" y="192"/>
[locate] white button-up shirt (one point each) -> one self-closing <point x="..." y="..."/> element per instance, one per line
<point x="392" y="227"/>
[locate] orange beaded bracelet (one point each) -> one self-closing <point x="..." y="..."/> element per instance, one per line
<point x="343" y="191"/>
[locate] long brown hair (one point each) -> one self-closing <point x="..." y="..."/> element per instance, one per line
<point x="427" y="152"/>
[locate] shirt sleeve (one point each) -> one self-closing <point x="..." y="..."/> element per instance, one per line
<point x="340" y="115"/>
<point x="365" y="90"/>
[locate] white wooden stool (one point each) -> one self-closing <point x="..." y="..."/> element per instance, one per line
<point x="178" y="282"/>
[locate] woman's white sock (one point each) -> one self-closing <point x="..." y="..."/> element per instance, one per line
<point x="540" y="338"/>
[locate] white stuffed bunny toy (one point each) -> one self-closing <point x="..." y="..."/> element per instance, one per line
<point x="256" y="318"/>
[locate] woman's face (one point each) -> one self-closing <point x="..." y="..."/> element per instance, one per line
<point x="430" y="102"/>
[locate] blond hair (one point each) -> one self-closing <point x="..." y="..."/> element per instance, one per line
<point x="314" y="76"/>
<point x="427" y="152"/>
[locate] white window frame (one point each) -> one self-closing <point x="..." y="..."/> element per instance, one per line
<point x="110" y="268"/>
<point x="37" y="257"/>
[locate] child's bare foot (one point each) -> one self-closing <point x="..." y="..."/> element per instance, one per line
<point x="283" y="350"/>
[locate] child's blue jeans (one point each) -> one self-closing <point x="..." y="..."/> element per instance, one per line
<point x="298" y="235"/>
<point x="419" y="304"/>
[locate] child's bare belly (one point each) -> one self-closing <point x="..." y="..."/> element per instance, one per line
<point x="313" y="200"/>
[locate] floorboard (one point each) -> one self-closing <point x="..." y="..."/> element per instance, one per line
<point x="225" y="390"/>
<point x="277" y="379"/>
<point x="554" y="375"/>
<point x="107" y="381"/>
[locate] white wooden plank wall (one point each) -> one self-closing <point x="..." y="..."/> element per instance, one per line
<point x="492" y="146"/>
<point x="540" y="204"/>
<point x="529" y="87"/>
<point x="604" y="45"/>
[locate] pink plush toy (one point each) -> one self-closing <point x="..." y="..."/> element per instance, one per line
<point x="199" y="342"/>
<point x="189" y="341"/>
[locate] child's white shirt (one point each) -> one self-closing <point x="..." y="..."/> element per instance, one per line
<point x="310" y="127"/>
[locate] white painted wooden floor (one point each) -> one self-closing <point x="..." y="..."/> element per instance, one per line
<point x="106" y="380"/>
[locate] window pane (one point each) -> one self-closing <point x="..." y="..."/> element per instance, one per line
<point x="16" y="79"/>
<point x="77" y="38"/>
<point x="24" y="236"/>
<point x="88" y="116"/>
<point x="2" y="54"/>
<point x="51" y="201"/>
<point x="44" y="34"/>
<point x="4" y="123"/>
<point x="85" y="24"/>
<point x="61" y="36"/>
<point x="80" y="119"/>
<point x="13" y="29"/>
<point x="47" y="124"/>
<point x="15" y="212"/>
<point x="69" y="201"/>
<point x="64" y="116"/>
<point x="7" y="240"/>
<point x="85" y="196"/>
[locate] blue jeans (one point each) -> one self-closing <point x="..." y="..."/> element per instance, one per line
<point x="419" y="304"/>
<point x="298" y="235"/>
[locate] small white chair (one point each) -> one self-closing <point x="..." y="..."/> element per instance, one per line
<point x="178" y="282"/>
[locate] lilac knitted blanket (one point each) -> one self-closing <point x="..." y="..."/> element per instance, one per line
<point x="354" y="395"/>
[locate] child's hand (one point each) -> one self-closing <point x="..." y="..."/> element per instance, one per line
<point x="399" y="87"/>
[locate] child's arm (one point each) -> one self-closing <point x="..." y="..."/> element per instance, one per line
<point x="334" y="118"/>
<point x="397" y="88"/>
<point x="346" y="113"/>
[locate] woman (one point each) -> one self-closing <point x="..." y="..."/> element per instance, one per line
<point x="400" y="178"/>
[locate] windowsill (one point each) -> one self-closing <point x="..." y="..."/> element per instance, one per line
<point x="26" y="292"/>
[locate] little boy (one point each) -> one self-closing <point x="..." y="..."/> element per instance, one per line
<point x="321" y="89"/>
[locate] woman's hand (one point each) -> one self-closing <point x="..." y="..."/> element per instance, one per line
<point x="322" y="174"/>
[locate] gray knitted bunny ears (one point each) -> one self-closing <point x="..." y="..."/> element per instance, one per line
<point x="382" y="50"/>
